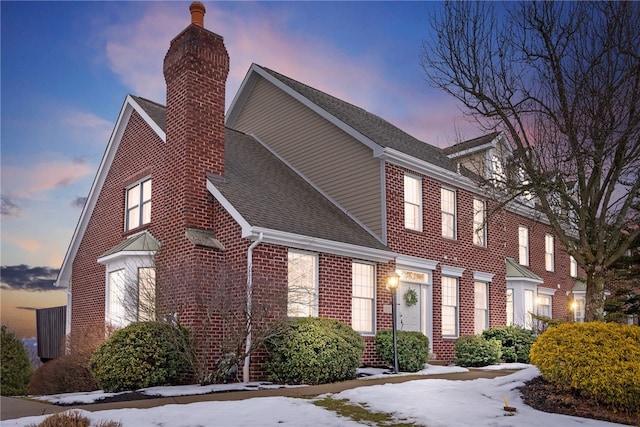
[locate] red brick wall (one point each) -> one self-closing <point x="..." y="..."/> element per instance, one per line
<point x="460" y="253"/>
<point x="139" y="153"/>
<point x="560" y="275"/>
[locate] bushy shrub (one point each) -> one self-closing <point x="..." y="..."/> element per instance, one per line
<point x="598" y="360"/>
<point x="314" y="351"/>
<point x="72" y="419"/>
<point x="70" y="372"/>
<point x="413" y="349"/>
<point x="516" y="342"/>
<point x="143" y="354"/>
<point x="15" y="368"/>
<point x="474" y="350"/>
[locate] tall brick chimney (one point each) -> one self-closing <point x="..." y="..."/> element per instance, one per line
<point x="195" y="70"/>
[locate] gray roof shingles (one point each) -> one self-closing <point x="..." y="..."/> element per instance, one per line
<point x="156" y="111"/>
<point x="269" y="194"/>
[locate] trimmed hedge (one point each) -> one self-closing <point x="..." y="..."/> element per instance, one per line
<point x="413" y="349"/>
<point x="144" y="354"/>
<point x="314" y="351"/>
<point x="597" y="360"/>
<point x="15" y="367"/>
<point x="475" y="351"/>
<point x="516" y="342"/>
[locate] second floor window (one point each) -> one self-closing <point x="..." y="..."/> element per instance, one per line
<point x="523" y="245"/>
<point x="412" y="203"/>
<point x="138" y="202"/>
<point x="448" y="208"/>
<point x="573" y="267"/>
<point x="548" y="252"/>
<point x="479" y="223"/>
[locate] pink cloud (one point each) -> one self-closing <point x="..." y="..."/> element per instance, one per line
<point x="33" y="181"/>
<point x="87" y="127"/>
<point x="257" y="34"/>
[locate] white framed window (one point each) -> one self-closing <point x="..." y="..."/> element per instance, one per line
<point x="573" y="266"/>
<point x="302" y="298"/>
<point x="544" y="305"/>
<point x="479" y="222"/>
<point x="412" y="202"/>
<point x="523" y="245"/>
<point x="510" y="307"/>
<point x="138" y="204"/>
<point x="578" y="306"/>
<point x="497" y="171"/>
<point x="481" y="305"/>
<point x="449" y="306"/>
<point x="529" y="308"/>
<point x="146" y="294"/>
<point x="549" y="262"/>
<point x="363" y="297"/>
<point x="131" y="294"/>
<point x="448" y="208"/>
<point x="116" y="294"/>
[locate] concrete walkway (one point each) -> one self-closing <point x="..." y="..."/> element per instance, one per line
<point x="12" y="407"/>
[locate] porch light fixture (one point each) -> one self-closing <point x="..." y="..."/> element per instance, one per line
<point x="393" y="280"/>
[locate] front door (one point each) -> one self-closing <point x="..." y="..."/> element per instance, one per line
<point x="413" y="308"/>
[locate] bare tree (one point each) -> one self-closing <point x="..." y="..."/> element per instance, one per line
<point x="213" y="306"/>
<point x="562" y="81"/>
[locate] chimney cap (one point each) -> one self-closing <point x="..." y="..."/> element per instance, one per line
<point x="197" y="10"/>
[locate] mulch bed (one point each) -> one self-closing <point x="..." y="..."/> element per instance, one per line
<point x="544" y="396"/>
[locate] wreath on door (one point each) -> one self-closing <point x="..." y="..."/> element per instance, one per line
<point x="410" y="297"/>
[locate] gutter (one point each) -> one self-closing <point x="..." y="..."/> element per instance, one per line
<point x="247" y="358"/>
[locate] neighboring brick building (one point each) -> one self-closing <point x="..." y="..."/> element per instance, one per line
<point x="308" y="201"/>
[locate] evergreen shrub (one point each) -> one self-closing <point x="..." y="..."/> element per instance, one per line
<point x="313" y="350"/>
<point x="15" y="367"/>
<point x="516" y="342"/>
<point x="475" y="351"/>
<point x="143" y="354"/>
<point x="413" y="349"/>
<point x="598" y="360"/>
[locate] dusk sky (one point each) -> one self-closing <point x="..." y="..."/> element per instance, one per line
<point x="68" y="66"/>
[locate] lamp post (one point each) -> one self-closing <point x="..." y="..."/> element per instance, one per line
<point x="393" y="279"/>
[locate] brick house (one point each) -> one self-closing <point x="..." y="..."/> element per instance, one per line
<point x="302" y="196"/>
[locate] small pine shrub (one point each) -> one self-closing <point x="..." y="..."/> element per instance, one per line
<point x="313" y="351"/>
<point x="475" y="351"/>
<point x="600" y="361"/>
<point x="413" y="349"/>
<point x="66" y="374"/>
<point x="70" y="373"/>
<point x="516" y="342"/>
<point x="144" y="354"/>
<point x="72" y="419"/>
<point x="15" y="367"/>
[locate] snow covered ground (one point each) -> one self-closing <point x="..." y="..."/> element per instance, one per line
<point x="432" y="403"/>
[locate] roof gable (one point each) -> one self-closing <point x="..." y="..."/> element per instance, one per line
<point x="131" y="103"/>
<point x="517" y="271"/>
<point x="369" y="128"/>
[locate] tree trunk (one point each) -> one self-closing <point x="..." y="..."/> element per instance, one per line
<point x="594" y="300"/>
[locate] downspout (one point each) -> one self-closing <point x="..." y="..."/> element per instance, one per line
<point x="247" y="358"/>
